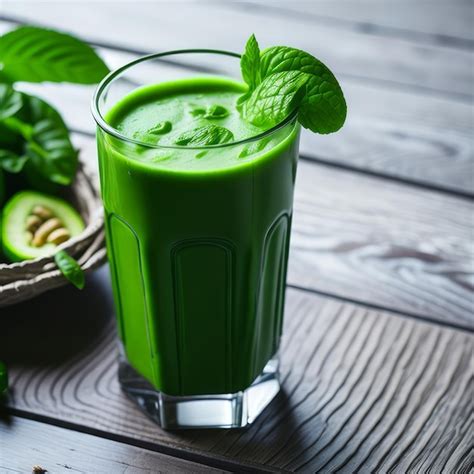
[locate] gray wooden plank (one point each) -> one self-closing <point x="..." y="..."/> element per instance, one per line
<point x="351" y="54"/>
<point x="381" y="243"/>
<point x="402" y="134"/>
<point x="433" y="21"/>
<point x="363" y="390"/>
<point x="27" y="443"/>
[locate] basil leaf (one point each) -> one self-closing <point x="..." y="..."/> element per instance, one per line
<point x="11" y="162"/>
<point x="250" y="63"/>
<point x="323" y="109"/>
<point x="48" y="146"/>
<point x="276" y="97"/>
<point x="207" y="135"/>
<point x="10" y="101"/>
<point x="70" y="268"/>
<point x="35" y="54"/>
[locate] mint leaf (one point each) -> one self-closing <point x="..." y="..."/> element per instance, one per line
<point x="254" y="147"/>
<point x="35" y="54"/>
<point x="10" y="101"/>
<point x="11" y="162"/>
<point x="250" y="63"/>
<point x="207" y="135"/>
<point x="70" y="268"/>
<point x="323" y="109"/>
<point x="161" y="128"/>
<point x="276" y="97"/>
<point x="216" y="112"/>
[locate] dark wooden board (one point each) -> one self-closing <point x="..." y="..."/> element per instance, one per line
<point x="26" y="443"/>
<point x="402" y="134"/>
<point x="428" y="21"/>
<point x="168" y="25"/>
<point x="363" y="390"/>
<point x="378" y="242"/>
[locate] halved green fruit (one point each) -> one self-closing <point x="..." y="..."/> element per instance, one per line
<point x="17" y="243"/>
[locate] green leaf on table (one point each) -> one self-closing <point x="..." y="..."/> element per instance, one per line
<point x="35" y="54"/>
<point x="207" y="135"/>
<point x="10" y="101"/>
<point x="322" y="107"/>
<point x="250" y="63"/>
<point x="275" y="98"/>
<point x="70" y="268"/>
<point x="11" y="162"/>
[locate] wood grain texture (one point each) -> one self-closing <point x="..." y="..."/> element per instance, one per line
<point x="402" y="134"/>
<point x="378" y="242"/>
<point x="362" y="390"/>
<point x="167" y="26"/>
<point x="25" y="443"/>
<point x="429" y="21"/>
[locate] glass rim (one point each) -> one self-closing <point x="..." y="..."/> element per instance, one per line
<point x="116" y="73"/>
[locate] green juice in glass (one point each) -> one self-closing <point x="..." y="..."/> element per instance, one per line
<point x="198" y="237"/>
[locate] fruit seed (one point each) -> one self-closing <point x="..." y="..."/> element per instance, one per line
<point x="42" y="212"/>
<point x="40" y="236"/>
<point x="58" y="236"/>
<point x="33" y="222"/>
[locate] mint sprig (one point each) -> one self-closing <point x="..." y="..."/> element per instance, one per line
<point x="283" y="79"/>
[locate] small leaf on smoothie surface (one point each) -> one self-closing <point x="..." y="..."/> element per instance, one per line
<point x="216" y="112"/>
<point x="161" y="128"/>
<point x="207" y="135"/>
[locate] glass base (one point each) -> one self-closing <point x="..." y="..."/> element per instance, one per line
<point x="230" y="410"/>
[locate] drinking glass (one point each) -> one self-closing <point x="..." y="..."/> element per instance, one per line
<point x="198" y="257"/>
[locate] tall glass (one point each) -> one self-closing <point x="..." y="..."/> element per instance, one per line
<point x="198" y="258"/>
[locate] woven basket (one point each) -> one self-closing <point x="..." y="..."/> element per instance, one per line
<point x="24" y="280"/>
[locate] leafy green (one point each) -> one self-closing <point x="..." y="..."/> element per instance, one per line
<point x="35" y="54"/>
<point x="10" y="101"/>
<point x="276" y="96"/>
<point x="161" y="128"/>
<point x="321" y="104"/>
<point x="70" y="268"/>
<point x="11" y="162"/>
<point x="46" y="142"/>
<point x="207" y="135"/>
<point x="253" y="147"/>
<point x="216" y="112"/>
<point x="250" y="63"/>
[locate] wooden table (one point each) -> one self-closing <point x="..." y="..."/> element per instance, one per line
<point x="377" y="346"/>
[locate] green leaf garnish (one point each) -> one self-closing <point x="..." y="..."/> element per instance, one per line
<point x="70" y="268"/>
<point x="198" y="112"/>
<point x="320" y="101"/>
<point x="161" y="128"/>
<point x="216" y="112"/>
<point x="250" y="63"/>
<point x="35" y="54"/>
<point x="207" y="135"/>
<point x="276" y="97"/>
<point x="254" y="147"/>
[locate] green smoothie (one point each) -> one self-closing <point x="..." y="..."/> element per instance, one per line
<point x="198" y="235"/>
